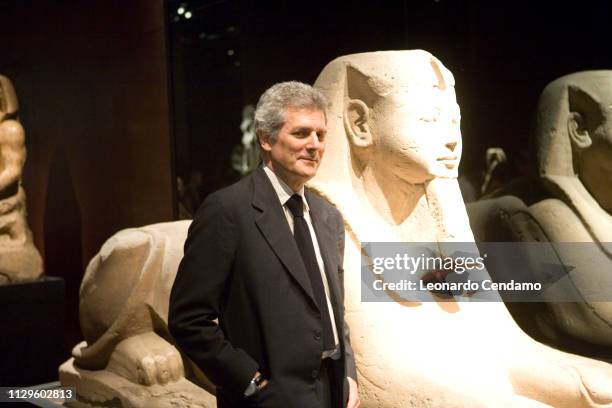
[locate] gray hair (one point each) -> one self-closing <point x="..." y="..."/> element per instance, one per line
<point x="270" y="111"/>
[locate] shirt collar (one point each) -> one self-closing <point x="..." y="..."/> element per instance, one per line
<point x="283" y="191"/>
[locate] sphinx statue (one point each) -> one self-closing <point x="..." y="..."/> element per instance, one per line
<point x="568" y="199"/>
<point x="19" y="258"/>
<point x="393" y="149"/>
<point x="128" y="358"/>
<point x="391" y="169"/>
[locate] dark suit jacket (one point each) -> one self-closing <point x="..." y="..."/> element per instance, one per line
<point x="242" y="266"/>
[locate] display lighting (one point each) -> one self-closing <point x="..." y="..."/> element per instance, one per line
<point x="180" y="10"/>
<point x="188" y="15"/>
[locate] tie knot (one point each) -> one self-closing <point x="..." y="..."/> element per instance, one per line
<point x="296" y="205"/>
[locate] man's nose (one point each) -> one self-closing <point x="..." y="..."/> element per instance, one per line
<point x="314" y="142"/>
<point x="451" y="145"/>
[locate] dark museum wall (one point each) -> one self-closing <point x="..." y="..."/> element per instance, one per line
<point x="92" y="82"/>
<point x="501" y="53"/>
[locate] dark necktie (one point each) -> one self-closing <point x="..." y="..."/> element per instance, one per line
<point x="301" y="233"/>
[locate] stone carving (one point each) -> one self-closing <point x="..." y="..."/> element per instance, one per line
<point x="128" y="358"/>
<point x="391" y="169"/>
<point x="19" y="259"/>
<point x="245" y="156"/>
<point x="392" y="153"/>
<point x="569" y="199"/>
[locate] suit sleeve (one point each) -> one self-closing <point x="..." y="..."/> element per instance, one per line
<point x="351" y="369"/>
<point x="196" y="298"/>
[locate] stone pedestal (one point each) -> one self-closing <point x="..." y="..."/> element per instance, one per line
<point x="32" y="326"/>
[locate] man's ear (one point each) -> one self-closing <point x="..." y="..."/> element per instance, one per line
<point x="357" y="123"/>
<point x="264" y="142"/>
<point x="577" y="130"/>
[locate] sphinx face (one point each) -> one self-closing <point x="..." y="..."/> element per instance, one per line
<point x="416" y="133"/>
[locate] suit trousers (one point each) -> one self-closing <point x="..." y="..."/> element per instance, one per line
<point x="330" y="392"/>
<point x="323" y="385"/>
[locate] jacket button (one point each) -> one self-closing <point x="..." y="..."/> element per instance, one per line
<point x="317" y="335"/>
<point x="315" y="373"/>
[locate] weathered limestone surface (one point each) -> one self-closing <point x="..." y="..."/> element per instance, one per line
<point x="128" y="358"/>
<point x="392" y="153"/>
<point x="568" y="199"/>
<point x="19" y="259"/>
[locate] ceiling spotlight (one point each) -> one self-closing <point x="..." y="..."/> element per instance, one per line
<point x="180" y="10"/>
<point x="188" y="15"/>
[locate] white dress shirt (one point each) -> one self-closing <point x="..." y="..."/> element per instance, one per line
<point x="284" y="192"/>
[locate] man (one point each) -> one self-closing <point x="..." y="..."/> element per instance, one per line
<point x="264" y="257"/>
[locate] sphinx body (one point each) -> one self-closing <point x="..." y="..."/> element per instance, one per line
<point x="567" y="200"/>
<point x="19" y="259"/>
<point x="394" y="142"/>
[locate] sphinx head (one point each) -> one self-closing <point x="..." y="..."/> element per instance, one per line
<point x="398" y="111"/>
<point x="573" y="135"/>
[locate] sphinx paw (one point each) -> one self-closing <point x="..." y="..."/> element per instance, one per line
<point x="594" y="382"/>
<point x="147" y="359"/>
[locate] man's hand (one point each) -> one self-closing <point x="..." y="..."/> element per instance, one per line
<point x="263" y="383"/>
<point x="353" y="400"/>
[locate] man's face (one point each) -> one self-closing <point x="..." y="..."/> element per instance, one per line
<point x="417" y="134"/>
<point x="296" y="153"/>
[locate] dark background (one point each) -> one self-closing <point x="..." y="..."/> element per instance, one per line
<point x="501" y="53"/>
<point x="120" y="97"/>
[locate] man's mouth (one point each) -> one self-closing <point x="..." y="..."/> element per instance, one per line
<point x="310" y="159"/>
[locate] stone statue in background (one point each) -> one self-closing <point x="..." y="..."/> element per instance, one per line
<point x="393" y="149"/>
<point x="245" y="156"/>
<point x="19" y="259"/>
<point x="568" y="199"/>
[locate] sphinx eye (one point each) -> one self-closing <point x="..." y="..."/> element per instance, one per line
<point x="428" y="119"/>
<point x="432" y="115"/>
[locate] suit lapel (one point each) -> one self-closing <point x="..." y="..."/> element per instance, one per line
<point x="273" y="225"/>
<point x="327" y="242"/>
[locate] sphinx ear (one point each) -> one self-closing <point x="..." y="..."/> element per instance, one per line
<point x="357" y="123"/>
<point x="586" y="114"/>
<point x="578" y="132"/>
